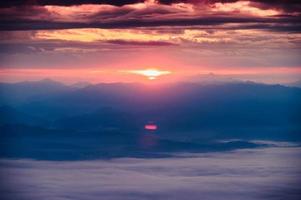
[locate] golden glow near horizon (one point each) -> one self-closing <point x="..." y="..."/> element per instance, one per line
<point x="151" y="74"/>
<point x="68" y="76"/>
<point x="244" y="7"/>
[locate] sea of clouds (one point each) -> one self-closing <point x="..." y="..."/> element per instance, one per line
<point x="264" y="173"/>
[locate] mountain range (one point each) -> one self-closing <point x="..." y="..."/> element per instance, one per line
<point x="49" y="119"/>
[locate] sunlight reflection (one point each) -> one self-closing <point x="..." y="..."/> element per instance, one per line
<point x="150" y="127"/>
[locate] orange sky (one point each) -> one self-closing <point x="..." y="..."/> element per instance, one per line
<point x="248" y="40"/>
<point x="70" y="76"/>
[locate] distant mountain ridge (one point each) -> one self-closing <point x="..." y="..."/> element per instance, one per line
<point x="26" y="91"/>
<point x="295" y="84"/>
<point x="217" y="109"/>
<point x="50" y="120"/>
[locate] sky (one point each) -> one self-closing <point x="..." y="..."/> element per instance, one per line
<point x="116" y="41"/>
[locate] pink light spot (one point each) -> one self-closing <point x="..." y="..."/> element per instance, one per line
<point x="150" y="127"/>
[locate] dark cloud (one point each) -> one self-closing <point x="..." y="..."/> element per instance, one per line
<point x="289" y="24"/>
<point x="65" y="2"/>
<point x="287" y="5"/>
<point x="23" y="13"/>
<point x="39" y="18"/>
<point x="291" y="6"/>
<point x="39" y="47"/>
<point x="138" y="43"/>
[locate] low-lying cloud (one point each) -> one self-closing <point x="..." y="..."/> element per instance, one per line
<point x="271" y="173"/>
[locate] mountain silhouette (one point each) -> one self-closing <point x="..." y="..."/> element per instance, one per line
<point x="107" y="120"/>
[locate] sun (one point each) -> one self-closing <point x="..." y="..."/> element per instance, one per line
<point x="151" y="74"/>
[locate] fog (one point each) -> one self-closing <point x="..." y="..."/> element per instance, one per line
<point x="263" y="173"/>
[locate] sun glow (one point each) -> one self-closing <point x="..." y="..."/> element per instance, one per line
<point x="151" y="74"/>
